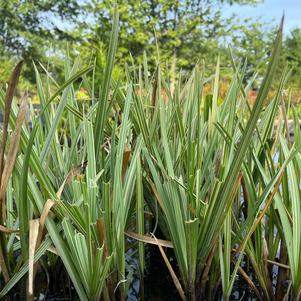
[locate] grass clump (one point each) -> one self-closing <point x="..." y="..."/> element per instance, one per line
<point x="220" y="182"/>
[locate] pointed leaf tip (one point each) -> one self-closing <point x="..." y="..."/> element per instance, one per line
<point x="282" y="22"/>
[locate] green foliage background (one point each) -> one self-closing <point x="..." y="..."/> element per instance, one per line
<point x="176" y="33"/>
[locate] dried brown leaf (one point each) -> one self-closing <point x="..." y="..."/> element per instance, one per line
<point x="126" y="159"/>
<point x="171" y="271"/>
<point x="7" y="230"/>
<point x="102" y="234"/>
<point x="33" y="236"/>
<point x="12" y="84"/>
<point x="75" y="171"/>
<point x="149" y="239"/>
<point x="13" y="148"/>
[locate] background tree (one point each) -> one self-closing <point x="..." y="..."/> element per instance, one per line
<point x="293" y="53"/>
<point x="28" y="25"/>
<point x="184" y="30"/>
<point x="28" y="28"/>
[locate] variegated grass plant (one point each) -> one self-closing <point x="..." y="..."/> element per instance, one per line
<point x="220" y="182"/>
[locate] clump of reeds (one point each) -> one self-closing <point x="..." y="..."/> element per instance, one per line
<point x="221" y="183"/>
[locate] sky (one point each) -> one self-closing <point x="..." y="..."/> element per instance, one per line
<point x="272" y="10"/>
